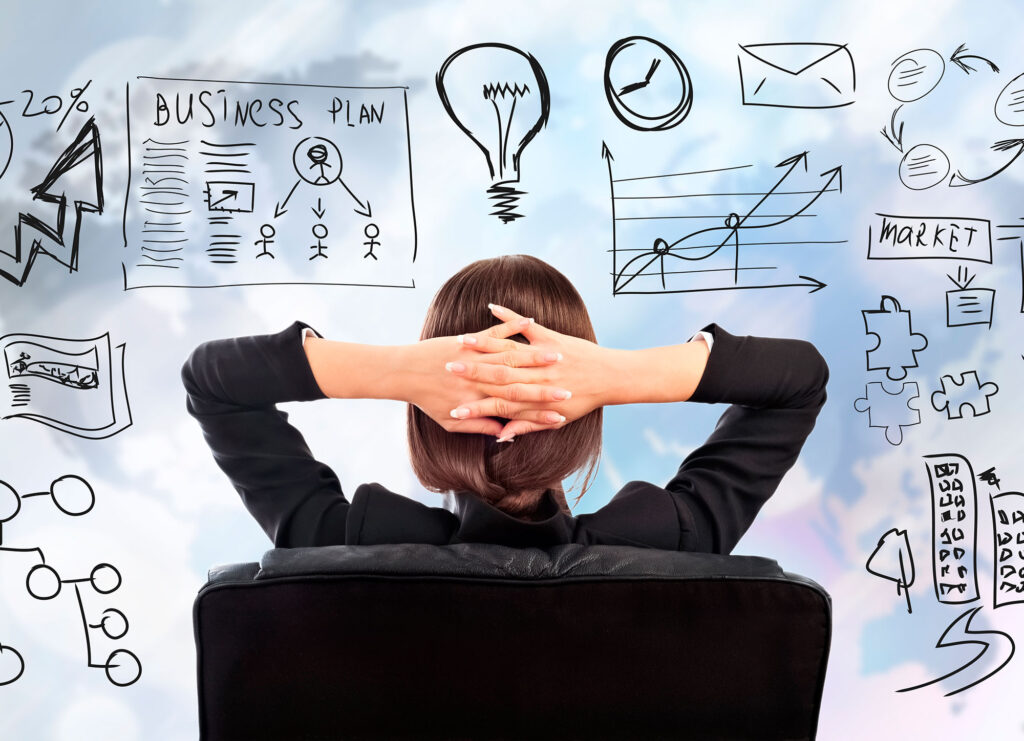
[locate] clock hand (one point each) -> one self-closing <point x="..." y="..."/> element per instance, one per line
<point x="654" y="66"/>
<point x="644" y="82"/>
<point x="634" y="86"/>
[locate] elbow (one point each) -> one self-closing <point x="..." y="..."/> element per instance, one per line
<point x="195" y="373"/>
<point x="816" y="368"/>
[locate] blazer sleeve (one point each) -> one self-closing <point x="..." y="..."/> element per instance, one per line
<point x="775" y="388"/>
<point x="232" y="388"/>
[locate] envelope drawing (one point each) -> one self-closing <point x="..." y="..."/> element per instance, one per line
<point x="797" y="75"/>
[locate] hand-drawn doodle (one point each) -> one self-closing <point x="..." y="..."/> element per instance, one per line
<point x="898" y="344"/>
<point x="893" y="560"/>
<point x="923" y="166"/>
<point x="915" y="74"/>
<point x="796" y="75"/>
<point x="73" y="496"/>
<point x="966" y="306"/>
<point x="647" y="85"/>
<point x="713" y="250"/>
<point x="963" y="393"/>
<point x="6" y="144"/>
<point x="890" y="410"/>
<point x="959" y="179"/>
<point x="954" y="528"/>
<point x="989" y="477"/>
<point x="122" y="667"/>
<point x="961" y="54"/>
<point x="60" y="238"/>
<point x="931" y="238"/>
<point x="1002" y="645"/>
<point x="1009" y="107"/>
<point x="498" y="96"/>
<point x="209" y="165"/>
<point x="1008" y="548"/>
<point x="52" y="105"/>
<point x="75" y="386"/>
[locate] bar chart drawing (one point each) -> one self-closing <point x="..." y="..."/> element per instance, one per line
<point x="697" y="231"/>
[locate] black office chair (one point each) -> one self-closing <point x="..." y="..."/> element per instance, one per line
<point x="476" y="641"/>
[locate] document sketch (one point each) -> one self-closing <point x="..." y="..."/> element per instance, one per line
<point x="242" y="183"/>
<point x="75" y="386"/>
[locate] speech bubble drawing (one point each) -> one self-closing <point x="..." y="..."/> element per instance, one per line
<point x="1010" y="102"/>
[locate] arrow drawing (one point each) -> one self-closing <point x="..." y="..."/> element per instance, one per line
<point x="319" y="210"/>
<point x="364" y="209"/>
<point x="958" y="180"/>
<point x="229" y="195"/>
<point x="701" y="244"/>
<point x="279" y="207"/>
<point x="1002" y="645"/>
<point x="959" y="56"/>
<point x="58" y="240"/>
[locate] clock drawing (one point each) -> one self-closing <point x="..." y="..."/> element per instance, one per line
<point x="647" y="85"/>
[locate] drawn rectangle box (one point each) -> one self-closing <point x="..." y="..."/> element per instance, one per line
<point x="230" y="197"/>
<point x="930" y="238"/>
<point x="954" y="528"/>
<point x="969" y="306"/>
<point x="1008" y="544"/>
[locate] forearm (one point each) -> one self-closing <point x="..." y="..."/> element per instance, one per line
<point x="352" y="370"/>
<point x="657" y="374"/>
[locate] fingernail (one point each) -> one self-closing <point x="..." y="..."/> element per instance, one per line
<point x="459" y="412"/>
<point x="468" y="339"/>
<point x="555" y="417"/>
<point x="508" y="439"/>
<point x="562" y="394"/>
<point x="494" y="307"/>
<point x="552" y="356"/>
<point x="454" y="367"/>
<point x="525" y="322"/>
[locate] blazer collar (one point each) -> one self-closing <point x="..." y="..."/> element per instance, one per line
<point x="482" y="522"/>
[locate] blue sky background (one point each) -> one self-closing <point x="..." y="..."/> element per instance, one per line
<point x="164" y="513"/>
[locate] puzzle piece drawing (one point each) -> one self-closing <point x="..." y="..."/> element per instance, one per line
<point x="966" y="393"/>
<point x="890" y="410"/>
<point x="897" y="342"/>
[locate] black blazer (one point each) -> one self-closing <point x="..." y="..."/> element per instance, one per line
<point x="776" y="388"/>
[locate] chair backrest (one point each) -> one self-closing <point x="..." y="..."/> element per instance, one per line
<point x="485" y="641"/>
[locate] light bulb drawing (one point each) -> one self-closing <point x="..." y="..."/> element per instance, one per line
<point x="498" y="96"/>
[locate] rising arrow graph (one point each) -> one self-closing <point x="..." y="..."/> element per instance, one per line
<point x="713" y="239"/>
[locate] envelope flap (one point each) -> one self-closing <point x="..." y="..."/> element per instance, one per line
<point x="794" y="57"/>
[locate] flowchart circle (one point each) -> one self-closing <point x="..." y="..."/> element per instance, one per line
<point x="123" y="668"/>
<point x="1010" y="102"/>
<point x="10" y="502"/>
<point x="317" y="161"/>
<point x="923" y="166"/>
<point x="12" y="665"/>
<point x="43" y="582"/>
<point x="915" y="74"/>
<point x="72" y="495"/>
<point x="105" y="578"/>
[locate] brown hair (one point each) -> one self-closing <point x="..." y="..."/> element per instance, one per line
<point x="510" y="476"/>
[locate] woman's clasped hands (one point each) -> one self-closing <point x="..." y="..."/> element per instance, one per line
<point x="543" y="385"/>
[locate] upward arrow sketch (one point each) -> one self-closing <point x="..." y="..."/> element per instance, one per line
<point x="59" y="240"/>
